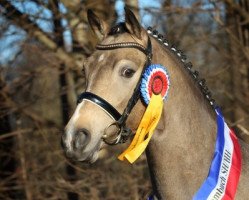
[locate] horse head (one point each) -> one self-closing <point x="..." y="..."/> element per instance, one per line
<point x="112" y="74"/>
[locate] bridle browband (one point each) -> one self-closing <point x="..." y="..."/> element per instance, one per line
<point x="123" y="132"/>
<point x="120" y="45"/>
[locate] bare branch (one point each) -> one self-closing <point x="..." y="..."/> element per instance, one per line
<point x="32" y="29"/>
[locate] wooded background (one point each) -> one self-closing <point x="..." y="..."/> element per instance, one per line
<point x="43" y="44"/>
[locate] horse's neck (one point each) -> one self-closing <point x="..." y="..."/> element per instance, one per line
<point x="180" y="152"/>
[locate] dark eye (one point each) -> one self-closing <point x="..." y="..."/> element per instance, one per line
<point x="127" y="73"/>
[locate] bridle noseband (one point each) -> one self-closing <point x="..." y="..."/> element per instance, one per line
<point x="123" y="132"/>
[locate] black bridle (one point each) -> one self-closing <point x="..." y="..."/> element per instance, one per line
<point x="123" y="132"/>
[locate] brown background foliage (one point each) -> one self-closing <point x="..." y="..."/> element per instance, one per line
<point x="41" y="77"/>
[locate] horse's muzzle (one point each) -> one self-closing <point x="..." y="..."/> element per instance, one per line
<point x="81" y="139"/>
<point x="75" y="143"/>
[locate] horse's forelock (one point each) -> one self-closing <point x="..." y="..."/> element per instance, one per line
<point x="118" y="29"/>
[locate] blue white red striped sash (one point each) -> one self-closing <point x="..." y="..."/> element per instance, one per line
<point x="223" y="177"/>
<point x="224" y="172"/>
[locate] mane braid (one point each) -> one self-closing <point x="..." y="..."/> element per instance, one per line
<point x="188" y="65"/>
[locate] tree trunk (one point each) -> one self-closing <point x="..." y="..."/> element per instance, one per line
<point x="238" y="22"/>
<point x="67" y="91"/>
<point x="7" y="159"/>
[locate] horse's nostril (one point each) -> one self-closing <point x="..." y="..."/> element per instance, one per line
<point x="81" y="139"/>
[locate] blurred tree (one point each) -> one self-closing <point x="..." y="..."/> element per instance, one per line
<point x="69" y="40"/>
<point x="238" y="31"/>
<point x="42" y="48"/>
<point x="8" y="163"/>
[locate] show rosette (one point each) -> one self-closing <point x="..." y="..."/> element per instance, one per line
<point x="155" y="80"/>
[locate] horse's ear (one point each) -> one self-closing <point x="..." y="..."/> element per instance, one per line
<point x="98" y="26"/>
<point x="132" y="23"/>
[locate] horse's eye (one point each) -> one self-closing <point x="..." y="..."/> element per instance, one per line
<point x="127" y="73"/>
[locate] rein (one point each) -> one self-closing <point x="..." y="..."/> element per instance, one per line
<point x="123" y="132"/>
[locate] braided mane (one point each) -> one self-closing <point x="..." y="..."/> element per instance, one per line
<point x="187" y="65"/>
<point x="121" y="28"/>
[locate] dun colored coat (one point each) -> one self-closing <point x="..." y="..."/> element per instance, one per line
<point x="181" y="149"/>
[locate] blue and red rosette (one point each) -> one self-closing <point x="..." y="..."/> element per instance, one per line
<point x="154" y="80"/>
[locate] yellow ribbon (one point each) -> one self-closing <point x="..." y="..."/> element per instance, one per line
<point x="145" y="130"/>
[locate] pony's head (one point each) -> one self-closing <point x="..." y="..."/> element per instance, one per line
<point x="112" y="73"/>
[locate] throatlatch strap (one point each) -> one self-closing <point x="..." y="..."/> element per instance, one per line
<point x="145" y="130"/>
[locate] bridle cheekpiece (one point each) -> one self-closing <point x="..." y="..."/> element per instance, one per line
<point x="122" y="131"/>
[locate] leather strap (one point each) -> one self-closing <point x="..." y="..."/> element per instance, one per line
<point x="121" y="119"/>
<point x="100" y="102"/>
<point x="123" y="45"/>
<point x="136" y="94"/>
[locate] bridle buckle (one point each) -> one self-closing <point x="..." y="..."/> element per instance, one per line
<point x="113" y="137"/>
